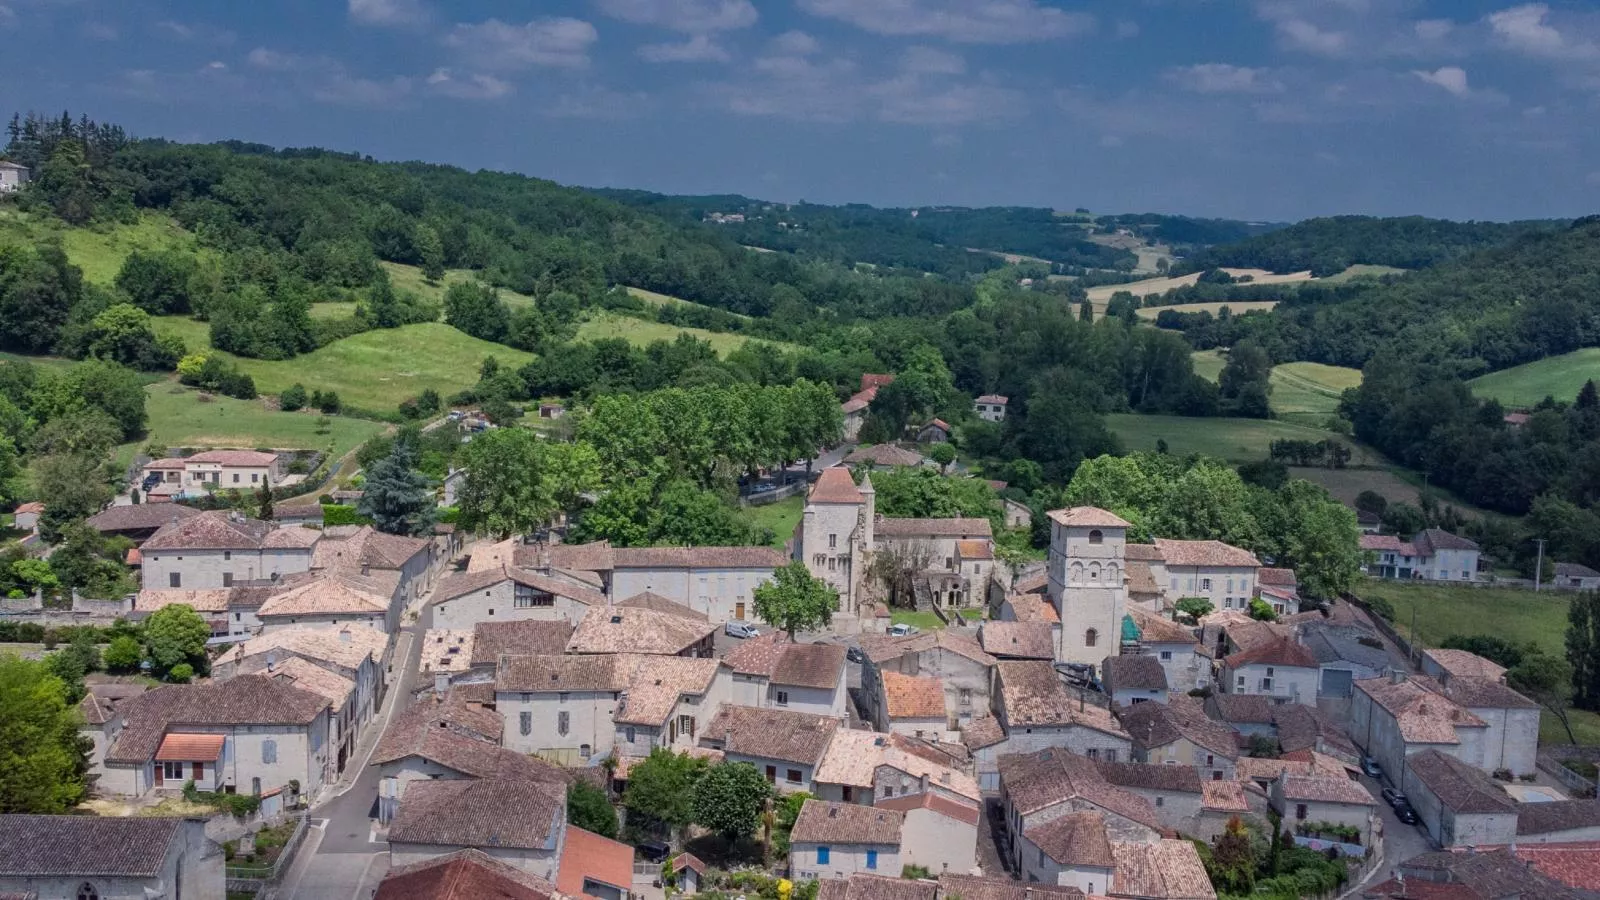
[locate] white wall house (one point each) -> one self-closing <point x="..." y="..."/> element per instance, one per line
<point x="506" y="594"/>
<point x="717" y="582"/>
<point x="990" y="407"/>
<point x="837" y="840"/>
<point x="1431" y="555"/>
<point x="13" y="176"/>
<point x="1221" y="573"/>
<point x="107" y="858"/>
<point x="218" y="549"/>
<point x="1277" y="668"/>
<point x="562" y="708"/>
<point x="213" y="470"/>
<point x="959" y="663"/>
<point x="1482" y="723"/>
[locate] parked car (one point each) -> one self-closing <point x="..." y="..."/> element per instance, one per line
<point x="855" y="655"/>
<point x="1394" y="798"/>
<point x="763" y="489"/>
<point x="740" y="630"/>
<point x="1371" y="767"/>
<point x="654" y="851"/>
<point x="902" y="630"/>
<point x="1405" y="813"/>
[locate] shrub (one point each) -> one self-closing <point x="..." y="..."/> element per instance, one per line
<point x="1382" y="607"/>
<point x="180" y="673"/>
<point x="293" y="398"/>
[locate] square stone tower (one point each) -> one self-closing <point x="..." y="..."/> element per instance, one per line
<point x="1088" y="582"/>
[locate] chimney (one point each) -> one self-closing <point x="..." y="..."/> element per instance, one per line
<point x="272" y="660"/>
<point x="1397" y="676"/>
<point x="344" y="635"/>
<point x="441" y="682"/>
<point x="366" y="569"/>
<point x="924" y="782"/>
<point x="727" y="739"/>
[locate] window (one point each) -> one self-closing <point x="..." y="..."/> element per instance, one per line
<point x="1210" y="760"/>
<point x="686" y="726"/>
<point x="236" y="478"/>
<point x="949" y="562"/>
<point x="1230" y="585"/>
<point x="563" y="722"/>
<point x="172" y="771"/>
<point x="227" y="555"/>
<point x="585" y="750"/>
<point x="1241" y="682"/>
<point x="772" y="774"/>
<point x="1161" y="801"/>
<point x="833" y="541"/>
<point x="792" y="776"/>
<point x="1166" y="655"/>
<point x="525" y="723"/>
<point x="1092" y="753"/>
<point x="227" y="579"/>
<point x="255" y="786"/>
<point x="255" y="477"/>
<point x="1095" y="537"/>
<point x="86" y="891"/>
<point x="872" y="859"/>
<point x="175" y="579"/>
<point x="1205" y="584"/>
<point x="1300" y="811"/>
<point x="822" y="856"/>
<point x="629" y="734"/>
<point x="1227" y="603"/>
<point x="1091" y="637"/>
<point x="832" y="563"/>
<point x="269" y="751"/>
<point x="783" y="698"/>
<point x="965" y="695"/>
<point x="1266" y="684"/>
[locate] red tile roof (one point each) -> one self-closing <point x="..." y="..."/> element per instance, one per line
<point x="589" y="857"/>
<point x="1179" y="554"/>
<point x="1280" y="651"/>
<point x="1087" y="517"/>
<point x="464" y="875"/>
<point x="934" y="802"/>
<point x="911" y="697"/>
<point x="190" y="748"/>
<point x="835" y="486"/>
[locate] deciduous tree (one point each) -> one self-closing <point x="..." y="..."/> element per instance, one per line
<point x="42" y="758"/>
<point x="795" y="600"/>
<point x="589" y="808"/>
<point x="729" y="798"/>
<point x="173" y="635"/>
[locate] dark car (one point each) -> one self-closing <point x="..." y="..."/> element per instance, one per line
<point x="654" y="851"/>
<point x="1394" y="798"/>
<point x="855" y="655"/>
<point x="1405" y="813"/>
<point x="1371" y="767"/>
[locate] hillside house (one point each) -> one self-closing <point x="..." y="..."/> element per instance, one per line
<point x="1221" y="573"/>
<point x="1175" y="792"/>
<point x="560" y="707"/>
<point x="77" y="857"/>
<point x="667" y="701"/>
<point x="13" y="176"/>
<point x="937" y="431"/>
<point x="1279" y="589"/>
<point x="353" y="653"/>
<point x="448" y="738"/>
<point x="1569" y="576"/>
<point x="772" y="671"/>
<point x="990" y="407"/>
<point x="211" y="471"/>
<point x="786" y="746"/>
<point x="1442" y="664"/>
<point x="1431" y="555"/>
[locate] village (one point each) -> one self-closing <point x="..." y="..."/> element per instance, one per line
<point x="1078" y="726"/>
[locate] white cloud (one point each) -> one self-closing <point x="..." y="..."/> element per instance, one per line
<point x="445" y="83"/>
<point x="931" y="61"/>
<point x="699" y="48"/>
<point x="274" y="61"/>
<point x="691" y="16"/>
<point x="389" y="12"/>
<point x="1303" y="35"/>
<point x="795" y="43"/>
<point x="1127" y="29"/>
<point x="346" y="90"/>
<point x="1433" y="30"/>
<point x="1451" y="78"/>
<point x="194" y="32"/>
<point x="1523" y="28"/>
<point x="962" y="21"/>
<point x="493" y="44"/>
<point x="1222" y="78"/>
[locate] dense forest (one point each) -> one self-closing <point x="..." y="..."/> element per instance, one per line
<point x="1331" y="245"/>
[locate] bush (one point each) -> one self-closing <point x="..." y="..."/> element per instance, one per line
<point x="123" y="654"/>
<point x="180" y="673"/>
<point x="1382" y="608"/>
<point x="293" y="398"/>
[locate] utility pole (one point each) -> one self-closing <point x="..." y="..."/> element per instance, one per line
<point x="1538" y="569"/>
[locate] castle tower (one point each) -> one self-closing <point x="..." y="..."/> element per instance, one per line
<point x="831" y="531"/>
<point x="1088" y="584"/>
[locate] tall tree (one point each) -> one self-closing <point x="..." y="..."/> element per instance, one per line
<point x="1583" y="649"/>
<point x="175" y="635"/>
<point x="589" y="808"/>
<point x="1547" y="680"/>
<point x="516" y="481"/>
<point x="661" y="789"/>
<point x="42" y="758"/>
<point x="396" y="496"/>
<point x="729" y="799"/>
<point x="795" y="600"/>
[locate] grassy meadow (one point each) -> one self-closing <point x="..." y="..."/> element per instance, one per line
<point x="1233" y="440"/>
<point x="1560" y="377"/>
<point x="1309" y="392"/>
<point x="179" y="418"/>
<point x="781" y="517"/>
<point x="605" y="324"/>
<point x="1237" y="307"/>
<point x="99" y="250"/>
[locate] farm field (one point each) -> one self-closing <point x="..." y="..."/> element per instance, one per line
<point x="409" y="278"/>
<point x="337" y="310"/>
<point x="1441" y="610"/>
<point x="178" y="418"/>
<point x="1560" y="377"/>
<point x="48" y="362"/>
<point x="100" y="250"/>
<point x="606" y="324"/>
<point x="1149" y="313"/>
<point x="374" y="370"/>
<point x="1161" y="285"/>
<point x="1346" y="484"/>
<point x="1233" y="440"/>
<point x="1310" y="392"/>
<point x="1208" y="364"/>
<point x="1362" y="270"/>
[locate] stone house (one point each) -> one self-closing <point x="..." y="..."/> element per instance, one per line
<point x="957" y="661"/>
<point x="937" y="833"/>
<point x="212" y="470"/>
<point x="507" y="593"/>
<point x="990" y="407"/>
<point x="1431" y="555"/>
<point x="334" y="600"/>
<point x="214" y="550"/>
<point x="636" y="629"/>
<point x="1037" y="711"/>
<point x="595" y="866"/>
<point x="13" y="176"/>
<point x="1442" y="665"/>
<point x="1574" y="577"/>
<point x="1018" y="640"/>
<point x="960" y="548"/>
<point x="1175" y="647"/>
<point x="1039" y="788"/>
<point x="1458" y="804"/>
<point x="357" y="654"/>
<point x="1279" y="668"/>
<point x="667" y="701"/>
<point x="910" y="705"/>
<point x="772" y="671"/>
<point x="520" y="823"/>
<point x="1480" y="722"/>
<point x="463" y="875"/>
<point x="1072" y="850"/>
<point x="560" y="707"/>
<point x="1558" y="821"/>
<point x="837" y="840"/>
<point x="868" y="766"/>
<point x="107" y="858"/>
<point x="1176" y="793"/>
<point x="1301" y="799"/>
<point x="1134" y="679"/>
<point x="412" y="561"/>
<point x="835" y="536"/>
<point x="1221" y="573"/>
<point x="784" y="745"/>
<point x="250" y="734"/>
<point x="937" y="431"/>
<point x="1085" y="585"/>
<point x="717" y="583"/>
<point x="1180" y="733"/>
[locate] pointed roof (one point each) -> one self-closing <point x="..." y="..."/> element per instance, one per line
<point x="835" y="486"/>
<point x="1087" y="517"/>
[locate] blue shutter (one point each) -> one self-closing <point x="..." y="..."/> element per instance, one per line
<point x="872" y="859"/>
<point x="822" y="856"/>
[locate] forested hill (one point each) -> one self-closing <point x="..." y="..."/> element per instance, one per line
<point x="1537" y="296"/>
<point x="1330" y="245"/>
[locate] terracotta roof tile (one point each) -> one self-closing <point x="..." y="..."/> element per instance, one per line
<point x="1087" y="517"/>
<point x="1018" y="640"/>
<point x="76" y="846"/>
<point x="757" y="655"/>
<point x="1145" y="553"/>
<point x="346" y="648"/>
<point x="587" y="856"/>
<point x="769" y="733"/>
<point x="1154" y="629"/>
<point x="975" y="549"/>
<point x="617" y="629"/>
<point x="1226" y="796"/>
<point x="810" y="665"/>
<point x="139" y="516"/>
<point x="547" y="673"/>
<point x="336" y="592"/>
<point x="658" y="682"/>
<point x="1134" y="672"/>
<point x="1032" y="695"/>
<point x="846" y="823"/>
<point x="954" y="527"/>
<point x="912" y="697"/>
<point x="309" y="676"/>
<point x="1424" y="715"/>
<point x="1151" y="777"/>
<point x="180" y="747"/>
<point x="697" y="558"/>
<point x="1557" y="815"/>
<point x="984" y="731"/>
<point x="1280" y="577"/>
<point x="883" y="455"/>
<point x="1182" y="554"/>
<point x="414" y="725"/>
<point x="1461" y="663"/>
<point x="530" y="636"/>
<point x="881" y="648"/>
<point x="1461" y="787"/>
<point x="933" y="802"/>
<point x="252" y="458"/>
<point x="1280" y="651"/>
<point x="467" y="874"/>
<point x="1158" y="724"/>
<point x="489" y="812"/>
<point x="853" y="757"/>
<point x="241" y="700"/>
<point x="976" y="887"/>
<point x="835" y="485"/>
<point x="1036" y="781"/>
<point x="1075" y="839"/>
<point x="649" y="600"/>
<point x="218" y="530"/>
<point x="1163" y="870"/>
<point x="1326" y="789"/>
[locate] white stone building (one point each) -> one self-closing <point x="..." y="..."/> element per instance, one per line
<point x="836" y="535"/>
<point x="772" y="671"/>
<point x="785" y="746"/>
<point x="506" y="594"/>
<point x="837" y="840"/>
<point x="1221" y="573"/>
<point x="217" y="549"/>
<point x="1086" y="581"/>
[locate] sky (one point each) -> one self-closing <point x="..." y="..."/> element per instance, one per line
<point x="1255" y="109"/>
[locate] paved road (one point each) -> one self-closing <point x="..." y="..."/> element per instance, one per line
<point x="343" y="859"/>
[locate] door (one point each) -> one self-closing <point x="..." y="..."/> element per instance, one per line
<point x="738" y="611"/>
<point x="199" y="773"/>
<point x="772" y="774"/>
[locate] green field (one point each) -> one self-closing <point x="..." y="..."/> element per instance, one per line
<point x="178" y="418"/>
<point x="1233" y="440"/>
<point x="1362" y="270"/>
<point x="1309" y="392"/>
<point x="374" y="370"/>
<point x="1518" y="616"/>
<point x="1208" y="364"/>
<point x="409" y="278"/>
<point x="1560" y="377"/>
<point x="605" y="324"/>
<point x="98" y="250"/>
<point x="781" y="517"/>
<point x="1237" y="307"/>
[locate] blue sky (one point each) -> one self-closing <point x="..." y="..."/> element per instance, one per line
<point x="1259" y="109"/>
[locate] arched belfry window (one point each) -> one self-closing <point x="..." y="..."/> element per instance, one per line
<point x="1095" y="537"/>
<point x="1091" y="637"/>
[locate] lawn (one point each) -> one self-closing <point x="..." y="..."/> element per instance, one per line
<point x="179" y="419"/>
<point x="1233" y="440"/>
<point x="781" y="517"/>
<point x="926" y="621"/>
<point x="1585" y="727"/>
<point x="1560" y="377"/>
<point x="337" y="310"/>
<point x="605" y="324"/>
<point x="99" y="250"/>
<point x="374" y="370"/>
<point x="1362" y="270"/>
<point x="409" y="278"/>
<point x="1518" y="616"/>
<point x="47" y="362"/>
<point x="1309" y="392"/>
<point x="1395" y="484"/>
